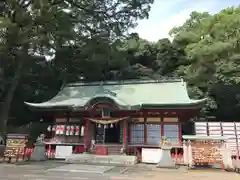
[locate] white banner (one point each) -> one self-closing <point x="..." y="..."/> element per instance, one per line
<point x="151" y="155"/>
<point x="62" y="152"/>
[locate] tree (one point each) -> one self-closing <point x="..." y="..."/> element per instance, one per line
<point x="44" y="27"/>
<point x="169" y="57"/>
<point x="211" y="43"/>
<point x="214" y="46"/>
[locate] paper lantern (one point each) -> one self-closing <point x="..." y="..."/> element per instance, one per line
<point x="54" y="128"/>
<point x="82" y="131"/>
<point x="67" y="130"/>
<point x="62" y="127"/>
<point x="71" y="130"/>
<point x="57" y="129"/>
<point x="77" y="130"/>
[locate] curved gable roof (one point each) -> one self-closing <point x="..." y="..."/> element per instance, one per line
<point x="125" y="94"/>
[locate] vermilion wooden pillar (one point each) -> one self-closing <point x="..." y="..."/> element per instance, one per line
<point x="162" y="127"/>
<point x="180" y="133"/>
<point x="86" y="135"/>
<point x="145" y="129"/>
<point x="124" y="134"/>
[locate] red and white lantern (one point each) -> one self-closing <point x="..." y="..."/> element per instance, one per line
<point x="71" y="130"/>
<point x="58" y="129"/>
<point x="77" y="131"/>
<point x="67" y="130"/>
<point x="61" y="130"/>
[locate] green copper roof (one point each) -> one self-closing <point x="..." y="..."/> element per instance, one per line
<point x="128" y="94"/>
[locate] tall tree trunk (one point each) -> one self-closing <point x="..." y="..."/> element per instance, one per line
<point x="6" y="104"/>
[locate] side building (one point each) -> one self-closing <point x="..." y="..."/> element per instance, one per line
<point x="109" y="117"/>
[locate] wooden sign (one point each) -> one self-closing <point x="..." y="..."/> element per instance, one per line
<point x="73" y="120"/>
<point x="206" y="152"/>
<point x="154" y="119"/>
<point x="15" y="146"/>
<point x="61" y="120"/>
<point x="170" y="119"/>
<point x="138" y="120"/>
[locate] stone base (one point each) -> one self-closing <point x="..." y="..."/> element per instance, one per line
<point x="39" y="153"/>
<point x="166" y="160"/>
<point x="95" y="159"/>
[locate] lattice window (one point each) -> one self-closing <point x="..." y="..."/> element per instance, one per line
<point x="171" y="132"/>
<point x="137" y="134"/>
<point x="106" y="112"/>
<point x="153" y="134"/>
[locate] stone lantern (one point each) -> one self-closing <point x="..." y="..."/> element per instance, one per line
<point x="166" y="160"/>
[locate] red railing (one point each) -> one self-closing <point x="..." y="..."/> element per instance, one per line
<point x="178" y="159"/>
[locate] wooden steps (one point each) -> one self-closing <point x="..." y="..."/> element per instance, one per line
<point x="112" y="149"/>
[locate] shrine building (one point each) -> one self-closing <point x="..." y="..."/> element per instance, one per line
<point x="115" y="116"/>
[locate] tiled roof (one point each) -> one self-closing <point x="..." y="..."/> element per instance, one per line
<point x="126" y="94"/>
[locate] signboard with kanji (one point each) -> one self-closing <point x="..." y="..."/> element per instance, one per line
<point x="15" y="146"/>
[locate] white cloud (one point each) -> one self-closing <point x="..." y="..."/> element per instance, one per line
<point x="165" y="16"/>
<point x="161" y="29"/>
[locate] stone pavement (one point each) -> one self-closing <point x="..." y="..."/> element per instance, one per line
<point x="144" y="172"/>
<point x="53" y="171"/>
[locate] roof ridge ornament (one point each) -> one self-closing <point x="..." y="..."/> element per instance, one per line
<point x="182" y="81"/>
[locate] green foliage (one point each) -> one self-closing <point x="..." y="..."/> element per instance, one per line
<point x="211" y="43"/>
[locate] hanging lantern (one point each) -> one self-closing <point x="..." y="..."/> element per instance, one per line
<point x="49" y="128"/>
<point x="71" y="130"/>
<point x="82" y="130"/>
<point x="99" y="125"/>
<point x="76" y="130"/>
<point x="111" y="125"/>
<point x="54" y="128"/>
<point x="67" y="130"/>
<point x="57" y="129"/>
<point x="62" y="127"/>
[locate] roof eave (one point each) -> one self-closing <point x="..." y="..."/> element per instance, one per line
<point x="196" y="104"/>
<point x="39" y="106"/>
<point x="52" y="108"/>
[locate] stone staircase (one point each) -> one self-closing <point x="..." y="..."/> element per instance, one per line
<point x="114" y="150"/>
<point x="109" y="159"/>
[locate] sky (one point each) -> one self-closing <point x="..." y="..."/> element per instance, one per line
<point x="166" y="14"/>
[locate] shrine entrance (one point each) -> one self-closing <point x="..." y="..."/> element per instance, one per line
<point x="108" y="133"/>
<point x="112" y="133"/>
